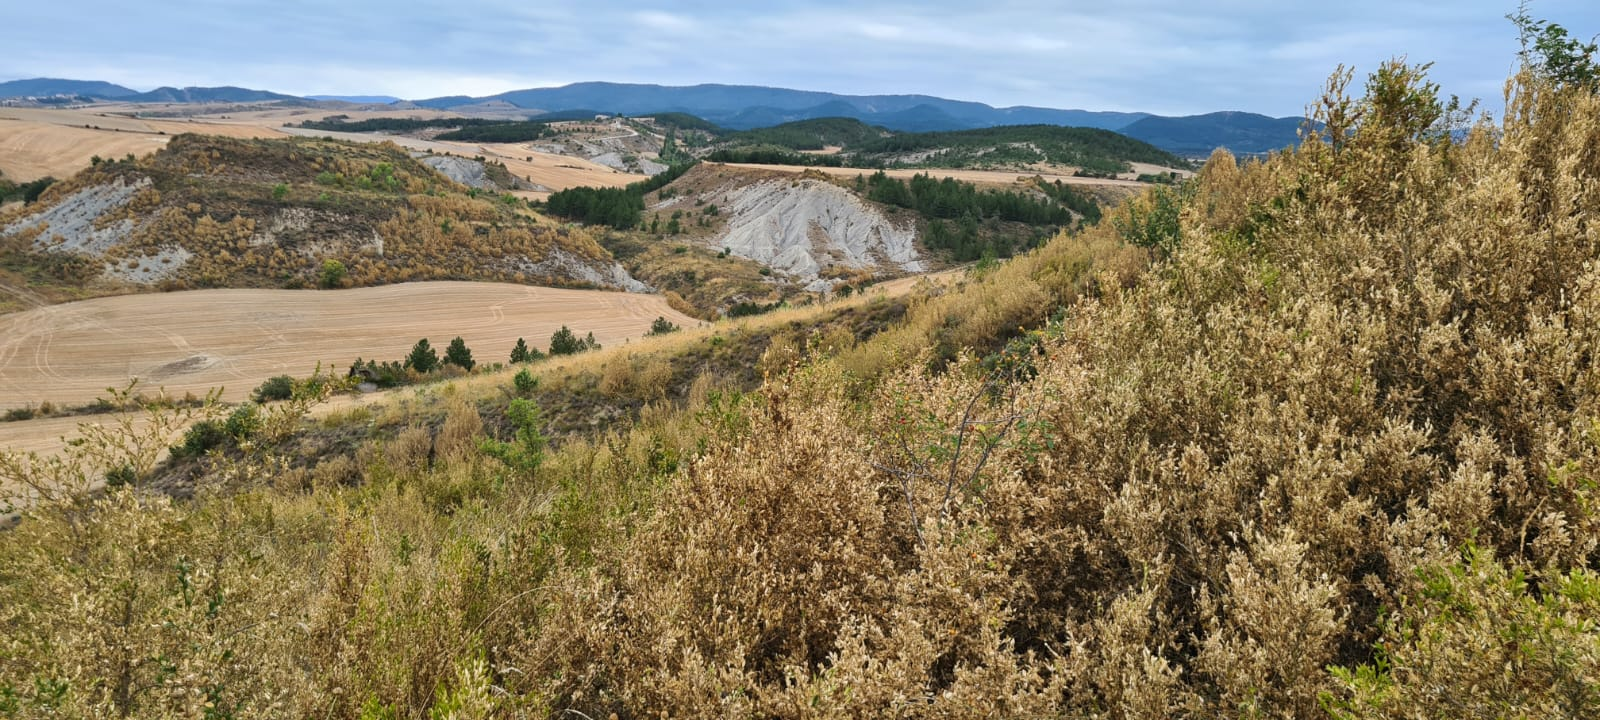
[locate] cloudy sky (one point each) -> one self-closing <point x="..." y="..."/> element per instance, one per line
<point x="1164" y="56"/>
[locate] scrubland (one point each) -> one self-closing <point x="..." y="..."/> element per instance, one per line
<point x="1315" y="435"/>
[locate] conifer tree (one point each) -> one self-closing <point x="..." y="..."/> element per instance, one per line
<point x="423" y="358"/>
<point x="458" y="355"/>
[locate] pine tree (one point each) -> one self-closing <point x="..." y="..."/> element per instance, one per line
<point x="458" y="355"/>
<point x="519" y="354"/>
<point x="422" y="359"/>
<point x="564" y="342"/>
<point x="661" y="326"/>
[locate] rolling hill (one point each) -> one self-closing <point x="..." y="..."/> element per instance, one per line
<point x="47" y="87"/>
<point x="1094" y="151"/>
<point x="205" y="95"/>
<point x="1239" y="132"/>
<point x="209" y="211"/>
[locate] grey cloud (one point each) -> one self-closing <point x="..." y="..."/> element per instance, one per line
<point x="1168" y="56"/>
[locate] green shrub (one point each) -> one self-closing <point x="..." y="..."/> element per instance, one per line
<point x="526" y="452"/>
<point x="201" y="438"/>
<point x="525" y="383"/>
<point x="662" y="326"/>
<point x="280" y="387"/>
<point x="243" y="422"/>
<point x="332" y="274"/>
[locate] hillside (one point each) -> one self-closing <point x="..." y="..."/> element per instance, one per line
<point x="205" y="95"/>
<point x="723" y="236"/>
<point x="1198" y="135"/>
<point x="1310" y="436"/>
<point x="1094" y="152"/>
<point x="809" y="134"/>
<point x="48" y="87"/>
<point x="208" y="211"/>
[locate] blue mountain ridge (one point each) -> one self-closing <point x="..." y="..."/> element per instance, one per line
<point x="744" y="107"/>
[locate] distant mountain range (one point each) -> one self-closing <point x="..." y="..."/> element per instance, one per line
<point x="49" y="87"/>
<point x="743" y="107"/>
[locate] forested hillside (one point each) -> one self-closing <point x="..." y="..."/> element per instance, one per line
<point x="1095" y="152"/>
<point x="1313" y="436"/>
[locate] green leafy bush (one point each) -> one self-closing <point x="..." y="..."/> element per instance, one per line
<point x="280" y="387"/>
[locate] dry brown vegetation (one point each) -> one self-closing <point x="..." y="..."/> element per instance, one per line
<point x="1332" y="453"/>
<point x="700" y="281"/>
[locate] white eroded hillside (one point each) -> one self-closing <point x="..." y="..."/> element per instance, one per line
<point x="802" y="226"/>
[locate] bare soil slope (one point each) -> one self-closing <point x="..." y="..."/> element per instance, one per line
<point x="197" y="340"/>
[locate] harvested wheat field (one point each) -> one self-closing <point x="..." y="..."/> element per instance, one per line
<point x="39" y="142"/>
<point x="30" y="149"/>
<point x="196" y="340"/>
<point x="555" y="172"/>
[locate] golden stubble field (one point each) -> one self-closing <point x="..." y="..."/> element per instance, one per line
<point x="59" y="143"/>
<point x="197" y="340"/>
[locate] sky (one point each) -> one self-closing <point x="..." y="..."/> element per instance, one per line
<point x="1171" y="57"/>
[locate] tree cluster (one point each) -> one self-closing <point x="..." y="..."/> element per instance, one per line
<point x="618" y="208"/>
<point x="949" y="199"/>
<point x="503" y="132"/>
<point x="566" y="342"/>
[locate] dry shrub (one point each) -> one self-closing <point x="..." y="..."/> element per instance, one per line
<point x="411" y="452"/>
<point x="781" y="354"/>
<point x="640" y="377"/>
<point x="616" y="377"/>
<point x="458" y="437"/>
<point x="676" y="302"/>
<point x="336" y="471"/>
<point x="186" y="611"/>
<point x="1191" y="496"/>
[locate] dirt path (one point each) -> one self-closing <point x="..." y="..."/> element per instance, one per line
<point x="193" y="341"/>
